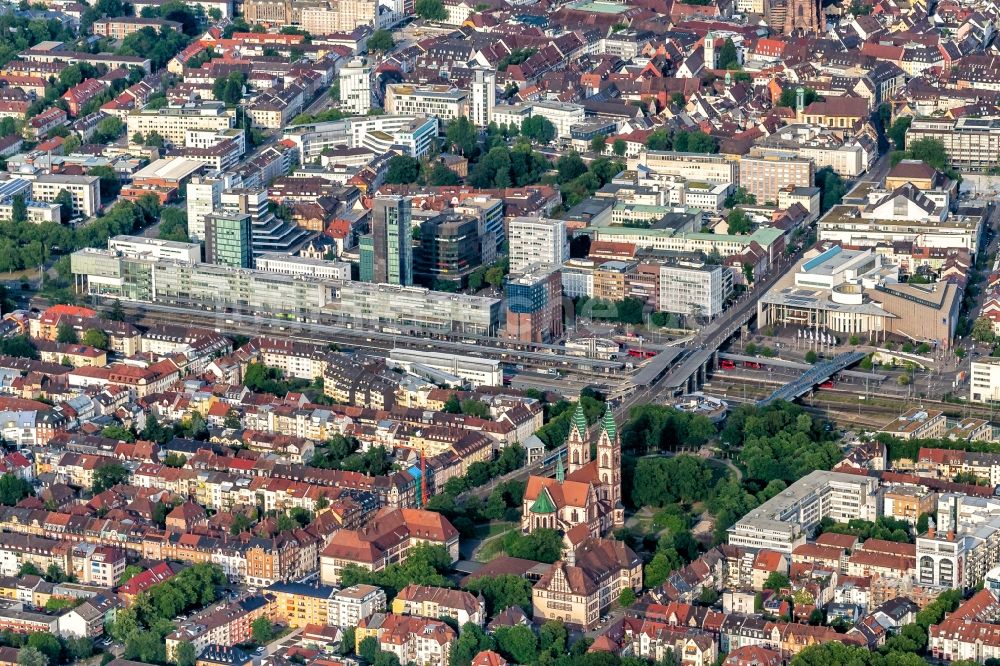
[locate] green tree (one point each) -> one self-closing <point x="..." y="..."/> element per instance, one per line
<point x="788" y="97"/>
<point x="430" y="10"/>
<point x="19" y="346"/>
<point x="897" y="132"/>
<point x="738" y="222"/>
<point x="108" y="476"/>
<point x="982" y="330"/>
<point x="65" y="201"/>
<point x="111" y="185"/>
<point x="570" y="166"/>
<point x="553" y="637"/>
<point x="108" y="130"/>
<point x="228" y="89"/>
<point x="538" y="129"/>
<point x="599" y="143"/>
<point x="495" y="276"/>
<point x="80" y="648"/>
<point x="452" y="405"/>
<point x="130" y="572"/>
<point x="95" y="337"/>
<point x="13" y="489"/>
<point x="811" y="356"/>
<point x="154" y="139"/>
<point x="440" y="175"/>
<point x="663" y="481"/>
<point x="501" y="592"/>
<point x="381" y="40"/>
<point x="403" y="170"/>
<point x="462" y="135"/>
<point x="173" y="225"/>
<point x="262" y="631"/>
<point x="776" y="581"/>
<point x="471" y="641"/>
<point x="19" y="213"/>
<point x="518" y="644"/>
<point x="831" y="186"/>
<point x="30" y="656"/>
<point x="145" y="646"/>
<point x="728" y="57"/>
<point x="48" y="645"/>
<point x="542" y="545"/>
<point x="477" y="408"/>
<point x="694" y="142"/>
<point x="66" y="334"/>
<point x="71" y="144"/>
<point x="930" y="151"/>
<point x="627" y="597"/>
<point x="368" y="648"/>
<point x="619" y="147"/>
<point x="118" y="432"/>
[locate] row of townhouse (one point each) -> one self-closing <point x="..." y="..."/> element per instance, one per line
<point x="44" y="537"/>
<point x="223" y="624"/>
<point x="661" y="628"/>
<point x="971" y="632"/>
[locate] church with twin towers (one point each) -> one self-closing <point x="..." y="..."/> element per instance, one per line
<point x="587" y="492"/>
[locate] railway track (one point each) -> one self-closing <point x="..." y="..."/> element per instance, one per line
<point x="844" y="407"/>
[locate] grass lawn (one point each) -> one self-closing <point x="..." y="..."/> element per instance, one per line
<point x="493" y="528"/>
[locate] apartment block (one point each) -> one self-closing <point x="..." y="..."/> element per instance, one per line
<point x="765" y="175"/>
<point x="385" y="539"/>
<point x="122" y="26"/>
<point x="442" y="101"/>
<point x="300" y="604"/>
<point x="84" y="190"/>
<point x="351" y="605"/>
<point x="784" y="521"/>
<point x="438" y="602"/>
<point x="690" y="166"/>
<point x="173" y="122"/>
<point x="412" y="639"/>
<point x="984" y="383"/>
<point x="971" y="143"/>
<point x="917" y="424"/>
<point x="537" y="240"/>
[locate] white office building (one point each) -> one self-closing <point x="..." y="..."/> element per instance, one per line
<point x="466" y="369"/>
<point x="537" y="240"/>
<point x="694" y="288"/>
<point x="784" y="521"/>
<point x="984" y="381"/>
<point x="276" y="262"/>
<point x="140" y="247"/>
<point x="484" y="96"/>
<point x="204" y="193"/>
<point x="85" y="191"/>
<point x="356" y="86"/>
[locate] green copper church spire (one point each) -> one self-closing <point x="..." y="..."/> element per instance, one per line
<point x="580" y="421"/>
<point x="609" y="425"/>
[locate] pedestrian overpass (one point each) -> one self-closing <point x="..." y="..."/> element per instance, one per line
<point x="817" y="374"/>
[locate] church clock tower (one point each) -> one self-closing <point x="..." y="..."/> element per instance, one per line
<point x="577" y="445"/>
<point x="609" y="467"/>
